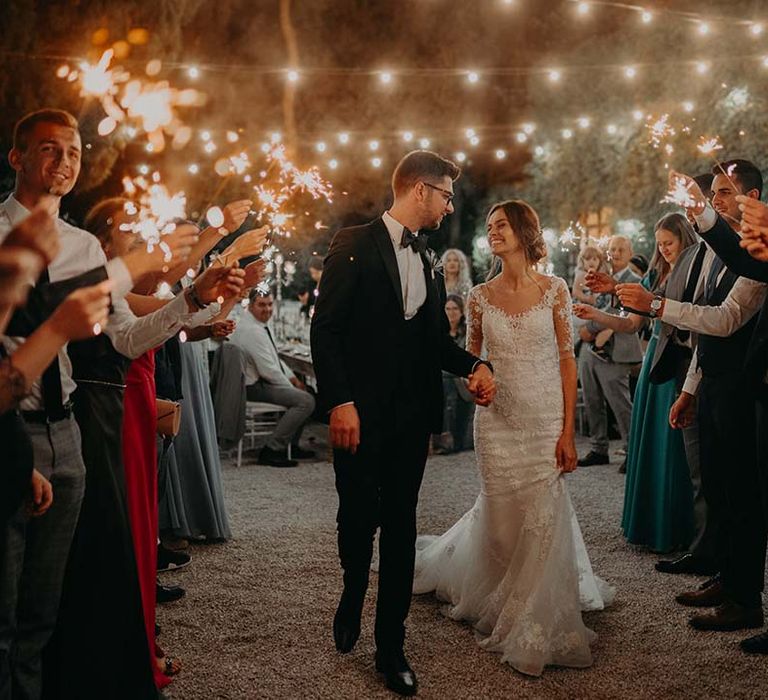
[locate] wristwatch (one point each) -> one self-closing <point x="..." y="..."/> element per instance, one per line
<point x="656" y="304"/>
<point x="194" y="297"/>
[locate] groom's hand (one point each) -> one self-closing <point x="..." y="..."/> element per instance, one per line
<point x="345" y="428"/>
<point x="482" y="385"/>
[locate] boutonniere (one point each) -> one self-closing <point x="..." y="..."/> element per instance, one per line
<point x="435" y="263"/>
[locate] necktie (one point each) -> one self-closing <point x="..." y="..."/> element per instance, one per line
<point x="714" y="273"/>
<point x="690" y="288"/>
<point x="277" y="354"/>
<point x="51" y="379"/>
<point x="412" y="240"/>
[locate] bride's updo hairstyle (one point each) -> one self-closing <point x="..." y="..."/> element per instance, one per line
<point x="525" y="224"/>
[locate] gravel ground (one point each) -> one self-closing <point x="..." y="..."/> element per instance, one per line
<point x="256" y="620"/>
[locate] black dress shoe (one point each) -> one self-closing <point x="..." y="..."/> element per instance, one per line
<point x="686" y="564"/>
<point x="167" y="594"/>
<point x="275" y="458"/>
<point x="729" y="617"/>
<point x="593" y="458"/>
<point x="345" y="632"/>
<point x="755" y="645"/>
<point x="298" y="453"/>
<point x="398" y="675"/>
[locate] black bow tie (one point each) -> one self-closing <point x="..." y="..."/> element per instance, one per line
<point x="410" y="239"/>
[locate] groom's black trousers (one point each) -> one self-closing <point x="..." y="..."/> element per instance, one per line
<point x="731" y="483"/>
<point x="379" y="487"/>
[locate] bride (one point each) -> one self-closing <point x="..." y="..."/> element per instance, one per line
<point x="515" y="565"/>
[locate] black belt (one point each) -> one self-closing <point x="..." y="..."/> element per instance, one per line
<point x="42" y="417"/>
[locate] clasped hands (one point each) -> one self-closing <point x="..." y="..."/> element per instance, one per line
<point x="344" y="425"/>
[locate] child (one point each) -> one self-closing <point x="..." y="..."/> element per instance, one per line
<point x="591" y="258"/>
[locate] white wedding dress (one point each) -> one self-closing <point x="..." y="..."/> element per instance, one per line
<point x="515" y="566"/>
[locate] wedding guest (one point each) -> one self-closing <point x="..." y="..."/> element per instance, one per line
<point x="309" y="295"/>
<point x="671" y="359"/>
<point x="725" y="323"/>
<point x="754" y="232"/>
<point x="638" y="263"/>
<point x="606" y="378"/>
<point x="46" y="157"/>
<point x="658" y="511"/>
<point x="591" y="259"/>
<point x="457" y="272"/>
<point x="270" y="380"/>
<point x="458" y="405"/>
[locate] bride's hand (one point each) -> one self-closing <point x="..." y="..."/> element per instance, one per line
<point x="565" y="453"/>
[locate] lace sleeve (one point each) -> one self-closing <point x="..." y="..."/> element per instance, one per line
<point x="475" y="323"/>
<point x="13" y="385"/>
<point x="562" y="315"/>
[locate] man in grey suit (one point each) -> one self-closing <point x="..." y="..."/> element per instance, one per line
<point x="607" y="378"/>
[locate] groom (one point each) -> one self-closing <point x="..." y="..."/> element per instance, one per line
<point x="380" y="338"/>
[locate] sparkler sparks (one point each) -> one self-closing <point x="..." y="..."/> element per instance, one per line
<point x="153" y="211"/>
<point x="708" y="146"/>
<point x="659" y="130"/>
<point x="680" y="193"/>
<point x="150" y="106"/>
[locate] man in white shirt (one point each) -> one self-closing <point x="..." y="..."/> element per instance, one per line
<point x="269" y="379"/>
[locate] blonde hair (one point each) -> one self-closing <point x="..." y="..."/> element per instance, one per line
<point x="464" y="281"/>
<point x="592" y="251"/>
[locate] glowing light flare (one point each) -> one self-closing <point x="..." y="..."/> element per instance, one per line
<point x="473" y="77"/>
<point x="153" y="210"/>
<point x="97" y="80"/>
<point x="385" y="77"/>
<point x="408" y="135"/>
<point x="630" y="72"/>
<point x="106" y="126"/>
<point x="708" y="146"/>
<point x="646" y="17"/>
<point x="424" y="143"/>
<point x="376" y="162"/>
<point x="215" y="217"/>
<point x="756" y="28"/>
<point x="554" y="75"/>
<point x="500" y="154"/>
<point x="193" y="72"/>
<point x="659" y="130"/>
<point x="679" y="193"/>
<point x="343" y="138"/>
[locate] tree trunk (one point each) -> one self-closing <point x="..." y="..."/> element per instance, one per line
<point x="289" y="91"/>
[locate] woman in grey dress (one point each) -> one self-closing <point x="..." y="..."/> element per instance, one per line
<point x="194" y="507"/>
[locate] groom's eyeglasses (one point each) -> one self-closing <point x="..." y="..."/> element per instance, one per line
<point x="447" y="196"/>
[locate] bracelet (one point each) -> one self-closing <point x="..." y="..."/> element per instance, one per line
<point x="194" y="297"/>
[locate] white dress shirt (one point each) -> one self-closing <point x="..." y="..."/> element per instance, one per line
<point x="743" y="301"/>
<point x="80" y="252"/>
<point x="411" y="267"/>
<point x="261" y="358"/>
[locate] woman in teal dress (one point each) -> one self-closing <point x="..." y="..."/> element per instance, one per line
<point x="658" y="496"/>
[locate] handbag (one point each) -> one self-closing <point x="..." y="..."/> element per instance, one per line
<point x="168" y="417"/>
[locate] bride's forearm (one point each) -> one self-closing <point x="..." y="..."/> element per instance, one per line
<point x="568" y="373"/>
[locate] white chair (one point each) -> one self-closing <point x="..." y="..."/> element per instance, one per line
<point x="260" y="420"/>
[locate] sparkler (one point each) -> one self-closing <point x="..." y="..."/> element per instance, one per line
<point x="152" y="106"/>
<point x="708" y="146"/>
<point x="153" y="211"/>
<point x="659" y="130"/>
<point x="680" y="193"/>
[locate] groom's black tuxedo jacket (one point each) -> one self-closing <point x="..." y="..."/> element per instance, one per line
<point x="360" y="337"/>
<point x="725" y="242"/>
